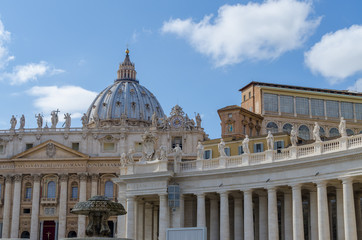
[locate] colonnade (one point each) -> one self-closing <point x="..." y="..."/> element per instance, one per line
<point x="298" y="211"/>
<point x="11" y="216"/>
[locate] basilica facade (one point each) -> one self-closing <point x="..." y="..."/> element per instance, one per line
<point x="45" y="170"/>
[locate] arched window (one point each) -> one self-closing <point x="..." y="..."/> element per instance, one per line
<point x="108" y="189"/>
<point x="51" y="190"/>
<point x="349" y="132"/>
<point x="322" y="133"/>
<point x="28" y="189"/>
<point x="287" y="128"/>
<point x="72" y="234"/>
<point x="333" y="132"/>
<point x="25" y="234"/>
<point x="74" y="194"/>
<point x="272" y="127"/>
<point x="303" y="132"/>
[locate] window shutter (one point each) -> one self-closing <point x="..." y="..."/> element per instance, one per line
<point x="254" y="147"/>
<point x="275" y="145"/>
<point x="282" y="143"/>
<point x="262" y="147"/>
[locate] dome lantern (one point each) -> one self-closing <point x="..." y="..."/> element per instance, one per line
<point x="126" y="69"/>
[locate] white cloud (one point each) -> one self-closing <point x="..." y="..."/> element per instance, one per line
<point x="4" y="53"/>
<point x="357" y="87"/>
<point x="248" y="32"/>
<point x="68" y="99"/>
<point x="338" y="55"/>
<point x="24" y="73"/>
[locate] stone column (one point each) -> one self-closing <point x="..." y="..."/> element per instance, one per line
<point x="121" y="219"/>
<point x="95" y="178"/>
<point x="214" y="218"/>
<point x="155" y="222"/>
<point x="63" y="205"/>
<point x="201" y="213"/>
<point x="34" y="229"/>
<point x="357" y="205"/>
<point x="130" y="233"/>
<point x="340" y="221"/>
<point x="298" y="228"/>
<point x="313" y="215"/>
<point x="248" y="215"/>
<point x="350" y="228"/>
<point x="238" y="217"/>
<point x="16" y="207"/>
<point x="288" y="215"/>
<point x="140" y="219"/>
<point x="7" y="208"/>
<point x="182" y="210"/>
<point x="82" y="198"/>
<point x="224" y="216"/>
<point x="148" y="221"/>
<point x="323" y="219"/>
<point x="164" y="219"/>
<point x="263" y="215"/>
<point x="273" y="228"/>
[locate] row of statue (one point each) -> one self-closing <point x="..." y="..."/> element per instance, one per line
<point x="39" y="120"/>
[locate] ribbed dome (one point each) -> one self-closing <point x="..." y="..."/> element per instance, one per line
<point x="126" y="96"/>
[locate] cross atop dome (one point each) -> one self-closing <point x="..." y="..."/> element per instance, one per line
<point x="126" y="69"/>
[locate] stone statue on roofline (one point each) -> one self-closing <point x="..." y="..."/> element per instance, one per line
<point x="68" y="120"/>
<point x="316" y="134"/>
<point x="13" y="122"/>
<point x="154" y="120"/>
<point x="246" y="145"/>
<point x="178" y="153"/>
<point x="198" y="121"/>
<point x="200" y="151"/>
<point x="221" y="148"/>
<point x="293" y="137"/>
<point x="270" y="141"/>
<point x="84" y="120"/>
<point x="342" y="128"/>
<point x="22" y="122"/>
<point x="54" y="118"/>
<point x="39" y="120"/>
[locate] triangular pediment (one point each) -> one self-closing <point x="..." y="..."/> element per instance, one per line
<point x="51" y="150"/>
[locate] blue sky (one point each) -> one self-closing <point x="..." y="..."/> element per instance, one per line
<point x="60" y="54"/>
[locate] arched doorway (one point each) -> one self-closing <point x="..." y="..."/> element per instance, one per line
<point x="72" y="234"/>
<point x="25" y="234"/>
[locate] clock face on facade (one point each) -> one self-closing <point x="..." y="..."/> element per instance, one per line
<point x="177" y="122"/>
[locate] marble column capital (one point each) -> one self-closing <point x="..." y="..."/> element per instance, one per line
<point x="95" y="177"/>
<point x="347" y="180"/>
<point x="224" y="193"/>
<point x="17" y="178"/>
<point x="130" y="197"/>
<point x="247" y="191"/>
<point x="296" y="186"/>
<point x="63" y="177"/>
<point x="200" y="194"/>
<point x="321" y="183"/>
<point x="36" y="177"/>
<point x="83" y="176"/>
<point x="8" y="179"/>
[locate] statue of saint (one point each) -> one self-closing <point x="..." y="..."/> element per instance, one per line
<point x="164" y="123"/>
<point x="342" y="128"/>
<point x="200" y="151"/>
<point x="39" y="120"/>
<point x="154" y="120"/>
<point x="293" y="137"/>
<point x="270" y="141"/>
<point x="123" y="160"/>
<point x="178" y="153"/>
<point x="54" y="118"/>
<point x="22" y="122"/>
<point x="13" y="122"/>
<point x="221" y="148"/>
<point x="198" y="120"/>
<point x="246" y="145"/>
<point x="163" y="153"/>
<point x="84" y="120"/>
<point x="131" y="152"/>
<point x="68" y="120"/>
<point x="316" y="134"/>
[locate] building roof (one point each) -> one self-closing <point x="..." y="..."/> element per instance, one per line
<point x="236" y="107"/>
<point x="344" y="92"/>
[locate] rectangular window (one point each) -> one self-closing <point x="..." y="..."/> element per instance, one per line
<point x="358" y="109"/>
<point x="175" y="141"/>
<point x="230" y="115"/>
<point x="249" y="94"/>
<point x="302" y="105"/>
<point x="28" y="146"/>
<point x="286" y="104"/>
<point x="278" y="145"/>
<point x="108" y="147"/>
<point x="332" y="109"/>
<point x="227" y="151"/>
<point x="240" y="150"/>
<point x="208" y="154"/>
<point x="317" y="107"/>
<point x="28" y="193"/>
<point x="347" y="110"/>
<point x="75" y="146"/>
<point x="270" y="102"/>
<point x="1" y="148"/>
<point x="75" y="192"/>
<point x="258" y="147"/>
<point x="26" y="210"/>
<point x="244" y="98"/>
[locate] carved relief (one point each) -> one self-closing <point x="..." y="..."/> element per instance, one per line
<point x="50" y="150"/>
